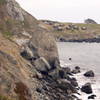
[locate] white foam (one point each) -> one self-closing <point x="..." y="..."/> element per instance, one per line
<point x="81" y="79"/>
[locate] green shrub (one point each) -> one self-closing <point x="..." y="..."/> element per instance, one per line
<point x="4" y="98"/>
<point x="2" y="1"/>
<point x="7" y="34"/>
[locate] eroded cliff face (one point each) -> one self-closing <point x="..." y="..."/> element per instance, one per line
<point x="22" y="38"/>
<point x="23" y="28"/>
<point x="15" y="73"/>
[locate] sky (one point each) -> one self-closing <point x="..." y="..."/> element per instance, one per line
<point x="63" y="10"/>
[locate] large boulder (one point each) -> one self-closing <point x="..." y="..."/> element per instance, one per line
<point x="90" y="21"/>
<point x="92" y="96"/>
<point x="89" y="74"/>
<point x="87" y="88"/>
<point x="44" y="45"/>
<point x="42" y="65"/>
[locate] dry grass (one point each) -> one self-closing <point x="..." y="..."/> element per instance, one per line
<point x="5" y="98"/>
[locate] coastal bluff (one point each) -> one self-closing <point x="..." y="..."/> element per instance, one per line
<point x="22" y="38"/>
<point x="29" y="62"/>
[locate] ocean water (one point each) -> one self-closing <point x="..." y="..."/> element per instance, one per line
<point x="85" y="55"/>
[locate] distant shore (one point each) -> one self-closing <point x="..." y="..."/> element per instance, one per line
<point x="92" y="40"/>
<point x="73" y="32"/>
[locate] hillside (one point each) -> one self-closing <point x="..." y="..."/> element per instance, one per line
<point x="73" y="32"/>
<point x="22" y="42"/>
<point x="29" y="61"/>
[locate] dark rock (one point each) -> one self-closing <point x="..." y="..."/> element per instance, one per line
<point x="61" y="73"/>
<point x="60" y="89"/>
<point x="90" y="21"/>
<point x="92" y="97"/>
<point x="89" y="74"/>
<point x="55" y="64"/>
<point x="89" y="40"/>
<point x="74" y="79"/>
<point x="62" y="39"/>
<point x="75" y="97"/>
<point x="64" y="72"/>
<point x="25" y="55"/>
<point x="39" y="90"/>
<point x="70" y="58"/>
<point x="66" y="85"/>
<point x="67" y="70"/>
<point x="74" y="83"/>
<point x="77" y="67"/>
<point x="76" y="70"/>
<point x="54" y="74"/>
<point x="87" y="88"/>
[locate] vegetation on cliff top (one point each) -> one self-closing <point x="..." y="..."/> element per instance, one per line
<point x="72" y="30"/>
<point x="5" y="98"/>
<point x="2" y="1"/>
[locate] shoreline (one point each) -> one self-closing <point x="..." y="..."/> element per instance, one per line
<point x="81" y="80"/>
<point x="93" y="40"/>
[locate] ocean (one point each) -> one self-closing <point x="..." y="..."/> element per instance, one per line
<point x="87" y="57"/>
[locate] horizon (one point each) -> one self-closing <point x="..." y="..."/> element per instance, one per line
<point x="74" y="11"/>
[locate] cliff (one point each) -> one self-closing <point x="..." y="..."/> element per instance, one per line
<point x="22" y="28"/>
<point x="24" y="47"/>
<point x="29" y="62"/>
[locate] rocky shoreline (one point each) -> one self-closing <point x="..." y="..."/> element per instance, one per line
<point x="91" y="40"/>
<point x="63" y="83"/>
<point x="60" y="82"/>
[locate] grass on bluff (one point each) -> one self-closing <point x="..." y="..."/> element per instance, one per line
<point x="4" y="98"/>
<point x="7" y="34"/>
<point x="2" y="1"/>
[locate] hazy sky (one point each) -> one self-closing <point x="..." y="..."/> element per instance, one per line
<point x="63" y="10"/>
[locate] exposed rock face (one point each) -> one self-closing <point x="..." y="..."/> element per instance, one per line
<point x="15" y="72"/>
<point x="89" y="74"/>
<point x="87" y="88"/>
<point x="14" y="10"/>
<point x="25" y="30"/>
<point x="19" y="31"/>
<point x="92" y="96"/>
<point x="90" y="21"/>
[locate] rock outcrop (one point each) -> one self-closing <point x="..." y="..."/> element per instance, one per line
<point x="90" y="21"/>
<point x="25" y="31"/>
<point x="89" y="74"/>
<point x="87" y="88"/>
